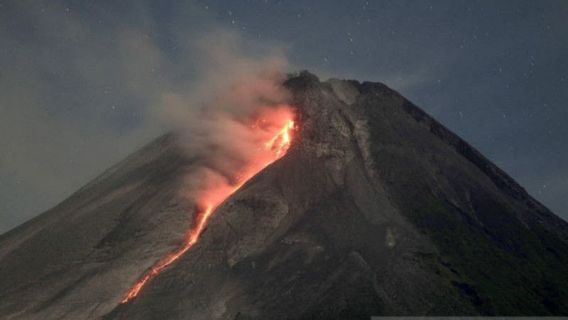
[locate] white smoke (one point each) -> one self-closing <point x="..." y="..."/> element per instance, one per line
<point x="218" y="116"/>
<point x="88" y="87"/>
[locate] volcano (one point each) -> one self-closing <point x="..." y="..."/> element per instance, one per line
<point x="374" y="209"/>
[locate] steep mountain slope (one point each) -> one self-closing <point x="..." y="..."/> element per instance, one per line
<point x="376" y="209"/>
<point x="75" y="260"/>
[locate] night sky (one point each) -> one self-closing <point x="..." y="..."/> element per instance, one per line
<point x="79" y="79"/>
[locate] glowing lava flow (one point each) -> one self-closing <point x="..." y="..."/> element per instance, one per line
<point x="281" y="141"/>
<point x="276" y="146"/>
<point x="192" y="238"/>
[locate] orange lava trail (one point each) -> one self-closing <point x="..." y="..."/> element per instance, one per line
<point x="281" y="141"/>
<point x="277" y="145"/>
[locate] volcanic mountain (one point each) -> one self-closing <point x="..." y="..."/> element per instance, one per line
<point x="375" y="209"/>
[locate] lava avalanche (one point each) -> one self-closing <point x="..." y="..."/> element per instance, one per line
<point x="273" y="129"/>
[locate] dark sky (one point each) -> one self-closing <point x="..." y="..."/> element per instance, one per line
<point x="79" y="79"/>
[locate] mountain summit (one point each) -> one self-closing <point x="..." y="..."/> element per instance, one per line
<point x="375" y="209"/>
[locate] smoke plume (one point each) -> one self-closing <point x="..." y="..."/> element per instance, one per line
<point x="83" y="85"/>
<point x="228" y="116"/>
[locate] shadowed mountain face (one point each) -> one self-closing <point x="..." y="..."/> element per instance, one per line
<point x="376" y="209"/>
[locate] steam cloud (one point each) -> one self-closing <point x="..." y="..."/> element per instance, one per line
<point x="237" y="105"/>
<point x="109" y="79"/>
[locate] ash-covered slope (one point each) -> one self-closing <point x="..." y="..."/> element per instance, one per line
<point x="376" y="209"/>
<point x="76" y="260"/>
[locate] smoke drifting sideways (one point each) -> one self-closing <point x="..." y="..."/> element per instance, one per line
<point x="229" y="119"/>
<point x="98" y="90"/>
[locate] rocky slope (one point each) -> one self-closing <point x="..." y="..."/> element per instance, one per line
<point x="376" y="209"/>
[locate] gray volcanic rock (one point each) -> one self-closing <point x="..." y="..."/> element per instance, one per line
<point x="76" y="260"/>
<point x="376" y="209"/>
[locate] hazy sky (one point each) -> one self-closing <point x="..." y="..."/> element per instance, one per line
<point x="80" y="80"/>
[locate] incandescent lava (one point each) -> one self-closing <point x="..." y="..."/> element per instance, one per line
<point x="275" y="131"/>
